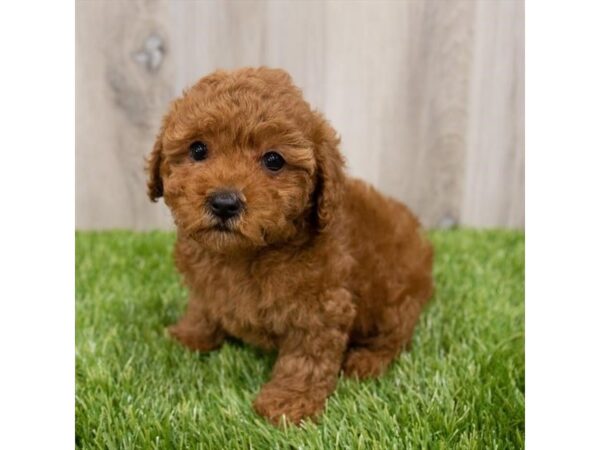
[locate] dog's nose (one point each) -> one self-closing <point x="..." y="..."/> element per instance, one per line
<point x="225" y="204"/>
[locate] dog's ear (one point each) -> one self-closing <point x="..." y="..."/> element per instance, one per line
<point x="153" y="162"/>
<point x="330" y="174"/>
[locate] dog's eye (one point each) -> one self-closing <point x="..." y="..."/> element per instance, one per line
<point x="273" y="161"/>
<point x="198" y="150"/>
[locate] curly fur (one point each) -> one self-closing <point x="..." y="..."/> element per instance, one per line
<point x="319" y="266"/>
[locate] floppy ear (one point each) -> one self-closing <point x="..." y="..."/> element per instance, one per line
<point x="153" y="162"/>
<point x="330" y="175"/>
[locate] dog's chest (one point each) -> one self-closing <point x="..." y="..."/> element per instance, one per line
<point x="260" y="300"/>
<point x="254" y="306"/>
<point x="243" y="313"/>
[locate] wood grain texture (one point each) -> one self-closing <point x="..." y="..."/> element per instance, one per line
<point x="120" y="96"/>
<point x="494" y="184"/>
<point x="427" y="95"/>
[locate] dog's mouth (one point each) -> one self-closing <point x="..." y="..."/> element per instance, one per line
<point x="222" y="226"/>
<point x="217" y="228"/>
<point x="227" y="236"/>
<point x="225" y="227"/>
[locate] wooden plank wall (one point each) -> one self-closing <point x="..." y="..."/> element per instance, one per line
<point x="427" y="95"/>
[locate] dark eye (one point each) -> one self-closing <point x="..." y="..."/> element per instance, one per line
<point x="198" y="150"/>
<point x="273" y="161"/>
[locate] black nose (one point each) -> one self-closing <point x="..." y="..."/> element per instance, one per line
<point x="225" y="204"/>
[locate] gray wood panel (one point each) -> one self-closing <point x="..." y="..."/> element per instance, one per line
<point x="427" y="95"/>
<point x="123" y="83"/>
<point x="494" y="188"/>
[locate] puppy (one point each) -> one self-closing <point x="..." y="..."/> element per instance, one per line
<point x="280" y="248"/>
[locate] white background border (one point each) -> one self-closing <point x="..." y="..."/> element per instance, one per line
<point x="562" y="88"/>
<point x="37" y="320"/>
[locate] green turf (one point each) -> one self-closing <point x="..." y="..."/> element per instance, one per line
<point x="461" y="385"/>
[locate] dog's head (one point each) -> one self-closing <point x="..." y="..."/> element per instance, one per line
<point x="243" y="162"/>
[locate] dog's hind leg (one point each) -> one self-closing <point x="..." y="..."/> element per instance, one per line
<point x="370" y="356"/>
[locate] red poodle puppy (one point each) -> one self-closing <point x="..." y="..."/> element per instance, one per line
<point x="280" y="248"/>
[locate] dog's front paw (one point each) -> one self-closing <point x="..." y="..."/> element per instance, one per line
<point x="275" y="402"/>
<point x="363" y="363"/>
<point x="194" y="338"/>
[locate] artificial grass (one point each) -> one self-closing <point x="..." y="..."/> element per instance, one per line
<point x="461" y="385"/>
